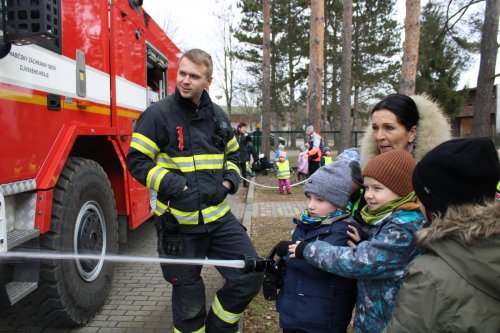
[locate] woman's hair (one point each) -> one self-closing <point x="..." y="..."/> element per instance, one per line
<point x="403" y="107"/>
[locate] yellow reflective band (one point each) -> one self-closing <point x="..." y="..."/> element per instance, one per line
<point x="209" y="161"/>
<point x="154" y="178"/>
<point x="201" y="330"/>
<point x="210" y="214"/>
<point x="191" y="163"/>
<point x="213" y="213"/>
<point x="144" y="145"/>
<point x="226" y="316"/>
<point x="231" y="166"/>
<point x="232" y="145"/>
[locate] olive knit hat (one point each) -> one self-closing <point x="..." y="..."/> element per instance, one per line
<point x="393" y="169"/>
<point x="331" y="182"/>
<point x="457" y="172"/>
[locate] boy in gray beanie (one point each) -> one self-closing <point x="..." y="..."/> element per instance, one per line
<point x="304" y="286"/>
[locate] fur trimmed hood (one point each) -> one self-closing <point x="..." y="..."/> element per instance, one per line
<point x="432" y="129"/>
<point x="466" y="222"/>
<point x="467" y="239"/>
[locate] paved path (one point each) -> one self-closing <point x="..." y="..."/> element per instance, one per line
<point x="140" y="299"/>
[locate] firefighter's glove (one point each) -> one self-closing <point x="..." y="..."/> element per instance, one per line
<point x="282" y="248"/>
<point x="217" y="195"/>
<point x="258" y="265"/>
<point x="273" y="280"/>
<point x="169" y="241"/>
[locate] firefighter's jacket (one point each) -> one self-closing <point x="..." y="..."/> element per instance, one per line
<point x="184" y="153"/>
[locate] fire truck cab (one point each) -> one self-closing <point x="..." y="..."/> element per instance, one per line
<point x="74" y="77"/>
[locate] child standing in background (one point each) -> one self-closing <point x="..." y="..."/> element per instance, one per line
<point x="302" y="164"/>
<point x="283" y="170"/>
<point x="327" y="157"/>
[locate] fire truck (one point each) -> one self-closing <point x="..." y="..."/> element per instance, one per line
<point x="74" y="77"/>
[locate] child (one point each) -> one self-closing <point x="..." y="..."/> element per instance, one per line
<point x="454" y="285"/>
<point x="311" y="299"/>
<point x="283" y="172"/>
<point x="302" y="164"/>
<point x="378" y="263"/>
<point x="281" y="147"/>
<point x="327" y="156"/>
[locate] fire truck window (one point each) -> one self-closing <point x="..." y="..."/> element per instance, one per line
<point x="156" y="73"/>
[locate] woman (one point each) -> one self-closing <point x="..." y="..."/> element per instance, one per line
<point x="415" y="124"/>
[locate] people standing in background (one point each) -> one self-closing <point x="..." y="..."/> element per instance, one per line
<point x="454" y="286"/>
<point x="302" y="164"/>
<point x="399" y="122"/>
<point x="315" y="142"/>
<point x="243" y="139"/>
<point x="327" y="157"/>
<point x="283" y="173"/>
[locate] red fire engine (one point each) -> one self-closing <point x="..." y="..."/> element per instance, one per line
<point x="74" y="77"/>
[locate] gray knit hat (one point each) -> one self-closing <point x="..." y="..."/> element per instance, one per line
<point x="331" y="182"/>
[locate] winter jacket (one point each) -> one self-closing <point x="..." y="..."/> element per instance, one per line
<point x="454" y="286"/>
<point x="303" y="163"/>
<point x="243" y="142"/>
<point x="378" y="263"/>
<point x="312" y="299"/>
<point x="184" y="152"/>
<point x="432" y="129"/>
<point x="315" y="147"/>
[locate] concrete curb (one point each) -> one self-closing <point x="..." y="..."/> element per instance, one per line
<point x="247" y="214"/>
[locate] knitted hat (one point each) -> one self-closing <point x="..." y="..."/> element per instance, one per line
<point x="394" y="169"/>
<point x="331" y="182"/>
<point x="281" y="146"/>
<point x="303" y="148"/>
<point x="456" y="172"/>
<point x="326" y="149"/>
<point x="350" y="154"/>
<point x="282" y="154"/>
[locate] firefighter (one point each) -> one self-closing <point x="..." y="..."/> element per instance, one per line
<point x="184" y="149"/>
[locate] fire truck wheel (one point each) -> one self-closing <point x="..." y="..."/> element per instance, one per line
<point x="84" y="222"/>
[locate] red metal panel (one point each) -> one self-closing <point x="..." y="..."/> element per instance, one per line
<point x="85" y="28"/>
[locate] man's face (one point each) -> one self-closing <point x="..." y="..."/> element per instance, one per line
<point x="192" y="80"/>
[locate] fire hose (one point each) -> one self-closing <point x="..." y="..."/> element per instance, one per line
<point x="247" y="263"/>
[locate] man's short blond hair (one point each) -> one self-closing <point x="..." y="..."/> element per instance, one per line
<point x="200" y="57"/>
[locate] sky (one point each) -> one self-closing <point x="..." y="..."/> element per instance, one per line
<point x="193" y="24"/>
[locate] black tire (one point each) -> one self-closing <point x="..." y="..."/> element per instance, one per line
<point x="84" y="221"/>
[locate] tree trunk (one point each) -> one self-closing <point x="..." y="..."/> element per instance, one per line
<point x="410" y="48"/>
<point x="316" y="42"/>
<point x="266" y="75"/>
<point x="485" y="100"/>
<point x="345" y="85"/>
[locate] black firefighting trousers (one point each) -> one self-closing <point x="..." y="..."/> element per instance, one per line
<point x="224" y="240"/>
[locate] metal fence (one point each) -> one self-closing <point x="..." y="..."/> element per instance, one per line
<point x="287" y="138"/>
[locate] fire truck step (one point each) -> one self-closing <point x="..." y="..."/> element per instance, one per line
<point x="18" y="290"/>
<point x="19" y="236"/>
